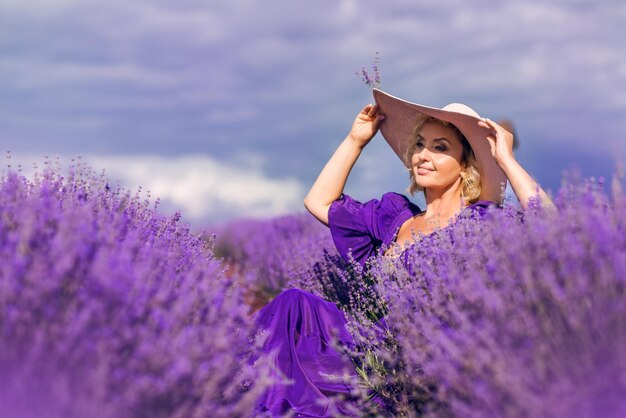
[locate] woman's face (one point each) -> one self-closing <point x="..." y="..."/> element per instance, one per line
<point x="436" y="162"/>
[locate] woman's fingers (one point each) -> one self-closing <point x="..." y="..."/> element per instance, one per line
<point x="379" y="118"/>
<point x="370" y="113"/>
<point x="492" y="137"/>
<point x="373" y="110"/>
<point x="489" y="124"/>
<point x="367" y="111"/>
<point x="492" y="144"/>
<point x="500" y="140"/>
<point x="494" y="127"/>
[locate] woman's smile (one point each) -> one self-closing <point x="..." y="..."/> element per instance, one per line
<point x="437" y="146"/>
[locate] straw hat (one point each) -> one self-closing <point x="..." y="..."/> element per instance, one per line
<point x="399" y="123"/>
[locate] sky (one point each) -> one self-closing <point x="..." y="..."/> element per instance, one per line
<point x="229" y="109"/>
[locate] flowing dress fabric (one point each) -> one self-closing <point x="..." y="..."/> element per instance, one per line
<point x="359" y="229"/>
<point x="301" y="326"/>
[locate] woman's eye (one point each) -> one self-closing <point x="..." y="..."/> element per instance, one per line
<point x="419" y="145"/>
<point x="440" y="148"/>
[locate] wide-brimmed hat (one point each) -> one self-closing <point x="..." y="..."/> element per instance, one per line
<point x="401" y="117"/>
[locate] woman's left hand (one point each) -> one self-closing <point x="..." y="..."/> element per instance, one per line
<point x="500" y="140"/>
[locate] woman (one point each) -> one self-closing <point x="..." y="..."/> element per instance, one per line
<point x="458" y="159"/>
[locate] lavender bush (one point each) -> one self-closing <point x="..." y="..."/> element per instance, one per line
<point x="268" y="256"/>
<point x="108" y="309"/>
<point x="512" y="315"/>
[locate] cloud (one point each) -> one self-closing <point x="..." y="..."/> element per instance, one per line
<point x="234" y="114"/>
<point x="275" y="79"/>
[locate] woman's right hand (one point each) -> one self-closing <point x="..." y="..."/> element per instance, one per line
<point x="366" y="125"/>
<point x="331" y="181"/>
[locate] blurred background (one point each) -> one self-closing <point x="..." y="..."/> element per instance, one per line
<point x="229" y="109"/>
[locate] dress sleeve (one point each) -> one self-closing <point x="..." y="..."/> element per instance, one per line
<point x="360" y="229"/>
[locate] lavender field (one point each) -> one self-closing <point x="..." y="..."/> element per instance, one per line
<point x="109" y="309"/>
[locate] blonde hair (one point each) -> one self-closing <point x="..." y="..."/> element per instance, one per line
<point x="470" y="177"/>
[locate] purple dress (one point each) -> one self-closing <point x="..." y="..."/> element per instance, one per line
<point x="301" y="325"/>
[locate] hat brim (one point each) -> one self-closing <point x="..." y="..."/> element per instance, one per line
<point x="399" y="123"/>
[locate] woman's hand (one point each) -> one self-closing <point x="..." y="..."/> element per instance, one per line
<point x="331" y="181"/>
<point x="500" y="140"/>
<point x="366" y="125"/>
<point x="524" y="186"/>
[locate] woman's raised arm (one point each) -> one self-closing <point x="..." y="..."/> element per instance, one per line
<point x="331" y="181"/>
<point x="524" y="186"/>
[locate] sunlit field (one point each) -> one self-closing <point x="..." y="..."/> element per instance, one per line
<point x="110" y="309"/>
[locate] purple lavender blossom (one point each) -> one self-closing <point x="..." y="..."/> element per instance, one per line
<point x="268" y="256"/>
<point x="512" y="315"/>
<point x="372" y="80"/>
<point x="509" y="318"/>
<point x="109" y="309"/>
